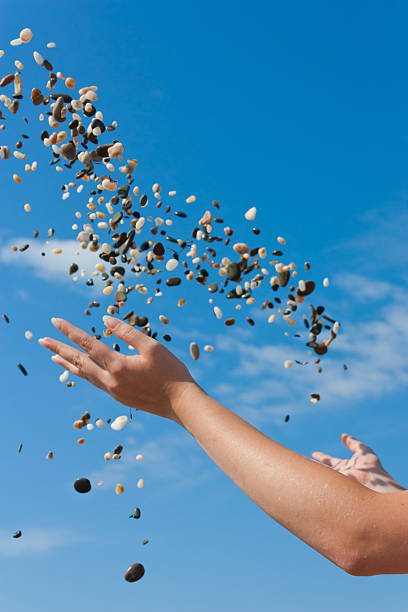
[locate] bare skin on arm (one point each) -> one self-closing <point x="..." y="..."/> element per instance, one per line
<point x="346" y="522"/>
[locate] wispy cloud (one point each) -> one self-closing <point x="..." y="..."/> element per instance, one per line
<point x="49" y="266"/>
<point x="35" y="540"/>
<point x="172" y="458"/>
<point x="374" y="350"/>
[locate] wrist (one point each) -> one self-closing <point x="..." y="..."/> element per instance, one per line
<point x="181" y="395"/>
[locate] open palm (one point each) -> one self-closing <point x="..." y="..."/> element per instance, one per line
<point x="363" y="466"/>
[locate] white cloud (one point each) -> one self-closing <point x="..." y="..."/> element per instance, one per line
<point x="172" y="458"/>
<point x="50" y="267"/>
<point x="374" y="350"/>
<point x="35" y="540"/>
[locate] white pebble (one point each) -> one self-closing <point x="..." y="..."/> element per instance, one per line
<point x="140" y="483"/>
<point x="99" y="423"/>
<point x="64" y="376"/>
<point x="326" y="282"/>
<point x="250" y="214"/>
<point x="171" y="264"/>
<point x="119" y="423"/>
<point x="139" y="457"/>
<point x="107" y="456"/>
<point x="288" y="363"/>
<point x="218" y="312"/>
<point x="90" y="426"/>
<point x="15" y="42"/>
<point x="191" y="199"/>
<point x="51" y="45"/>
<point x="281" y="240"/>
<point x="208" y="348"/>
<point x="28" y="334"/>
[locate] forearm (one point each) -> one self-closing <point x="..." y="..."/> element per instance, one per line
<point x="318" y="505"/>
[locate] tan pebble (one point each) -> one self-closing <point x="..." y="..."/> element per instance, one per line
<point x="208" y="348"/>
<point x="28" y="334"/>
<point x="326" y="282"/>
<point x="18" y="65"/>
<point x="50" y="455"/>
<point x="140" y="483"/>
<point x="172" y="193"/>
<point x="139" y="457"/>
<point x="194" y="351"/>
<point x="163" y="319"/>
<point x="218" y="312"/>
<point x="288" y="363"/>
<point x="191" y="199"/>
<point x="70" y="83"/>
<point x="51" y="45"/>
<point x="15" y="42"/>
<point x="241" y="248"/>
<point x="181" y="302"/>
<point x="119" y="489"/>
<point x="78" y="424"/>
<point x="57" y="251"/>
<point x="27" y="207"/>
<point x="108" y="290"/>
<point x="81" y="440"/>
<point x="281" y="240"/>
<point x="271" y="318"/>
<point x="26" y="35"/>
<point x="16" y="178"/>
<point x="107" y="456"/>
<point x="1" y="53"/>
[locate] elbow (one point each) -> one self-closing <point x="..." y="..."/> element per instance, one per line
<point x="357" y="562"/>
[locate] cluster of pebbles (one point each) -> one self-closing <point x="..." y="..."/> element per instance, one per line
<point x="131" y="232"/>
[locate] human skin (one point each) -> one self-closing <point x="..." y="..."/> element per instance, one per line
<point x="337" y="516"/>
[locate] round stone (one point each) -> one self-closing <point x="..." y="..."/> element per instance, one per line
<point x="119" y="423"/>
<point x="82" y="485"/>
<point x="134" y="572"/>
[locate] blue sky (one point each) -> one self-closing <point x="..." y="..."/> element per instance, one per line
<point x="301" y="111"/>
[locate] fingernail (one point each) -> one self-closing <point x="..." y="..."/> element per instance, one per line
<point x="56" y="359"/>
<point x="56" y="322"/>
<point x="110" y="321"/>
<point x="44" y="342"/>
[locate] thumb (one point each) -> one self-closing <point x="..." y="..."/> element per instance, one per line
<point x="127" y="333"/>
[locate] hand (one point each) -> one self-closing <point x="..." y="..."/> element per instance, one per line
<point x="149" y="381"/>
<point x="364" y="466"/>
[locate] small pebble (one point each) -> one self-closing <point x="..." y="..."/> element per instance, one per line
<point x="250" y="214"/>
<point x="82" y="485"/>
<point x="119" y="423"/>
<point x="64" y="376"/>
<point x="28" y="335"/>
<point x="288" y="363"/>
<point x="139" y="457"/>
<point x="119" y="489"/>
<point x="17" y="534"/>
<point x="140" y="483"/>
<point x="134" y="572"/>
<point x="326" y="282"/>
<point x="194" y="350"/>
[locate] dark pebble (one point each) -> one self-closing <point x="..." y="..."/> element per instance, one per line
<point x="287" y="418"/>
<point x="173" y="281"/>
<point x="22" y="369"/>
<point x="134" y="572"/>
<point x="82" y="485"/>
<point x="17" y="534"/>
<point x="5" y="317"/>
<point x="136" y="513"/>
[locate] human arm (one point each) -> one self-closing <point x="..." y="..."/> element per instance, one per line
<point x="363" y="466"/>
<point x="338" y="517"/>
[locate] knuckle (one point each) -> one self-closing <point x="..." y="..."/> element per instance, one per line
<point x="116" y="366"/>
<point x="86" y="343"/>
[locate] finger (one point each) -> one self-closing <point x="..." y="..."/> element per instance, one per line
<point x="93" y="347"/>
<point x="74" y="370"/>
<point x="326" y="459"/>
<point x="85" y="365"/>
<point x="128" y="334"/>
<point x="352" y="443"/>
